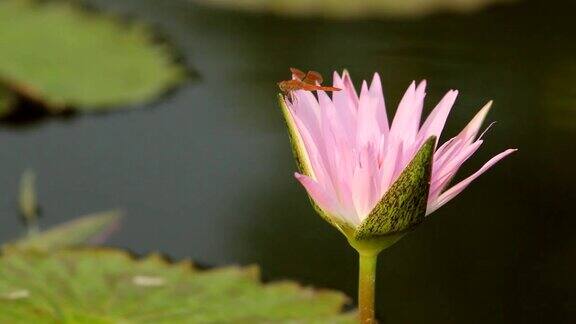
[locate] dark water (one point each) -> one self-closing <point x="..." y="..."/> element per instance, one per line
<point x="206" y="173"/>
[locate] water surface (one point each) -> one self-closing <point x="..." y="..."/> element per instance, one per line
<point x="206" y="172"/>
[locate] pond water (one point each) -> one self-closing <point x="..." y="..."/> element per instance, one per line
<point x="206" y="172"/>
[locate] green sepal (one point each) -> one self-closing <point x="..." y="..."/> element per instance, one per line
<point x="404" y="204"/>
<point x="375" y="245"/>
<point x="298" y="148"/>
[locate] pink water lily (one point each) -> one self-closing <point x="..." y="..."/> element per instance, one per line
<point x="353" y="154"/>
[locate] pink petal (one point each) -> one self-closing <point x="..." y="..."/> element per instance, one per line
<point x="459" y="143"/>
<point x="308" y="111"/>
<point x="418" y="108"/>
<point x="435" y="122"/>
<point x="335" y="157"/>
<point x="346" y="106"/>
<point x="403" y="113"/>
<point x="469" y="132"/>
<point x="390" y="164"/>
<point x="318" y="194"/>
<point x="446" y="152"/>
<point x="349" y="88"/>
<point x="378" y="97"/>
<point x="312" y="150"/>
<point x="361" y="190"/>
<point x="367" y="123"/>
<point x="454" y="162"/>
<point x="456" y="189"/>
<point x="407" y="118"/>
<point x="442" y="176"/>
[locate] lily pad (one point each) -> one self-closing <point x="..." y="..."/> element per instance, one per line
<point x="92" y="228"/>
<point x="63" y="56"/>
<point x="354" y="8"/>
<point x="7" y="101"/>
<point x="110" y="286"/>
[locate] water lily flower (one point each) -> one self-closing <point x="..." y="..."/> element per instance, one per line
<point x="373" y="177"/>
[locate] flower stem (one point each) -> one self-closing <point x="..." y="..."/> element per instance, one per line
<point x="366" y="287"/>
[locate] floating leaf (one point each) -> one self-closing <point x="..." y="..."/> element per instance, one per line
<point x="7" y="101"/>
<point x="94" y="227"/>
<point x="354" y="8"/>
<point x="109" y="286"/>
<point x="63" y="56"/>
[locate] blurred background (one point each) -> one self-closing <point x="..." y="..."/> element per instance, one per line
<point x="205" y="170"/>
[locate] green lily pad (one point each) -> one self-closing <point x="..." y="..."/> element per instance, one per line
<point x="85" y="229"/>
<point x="354" y="8"/>
<point x="7" y="101"/>
<point x="63" y="56"/>
<point x="110" y="286"/>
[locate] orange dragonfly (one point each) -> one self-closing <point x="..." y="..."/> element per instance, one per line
<point x="309" y="81"/>
<point x="310" y="77"/>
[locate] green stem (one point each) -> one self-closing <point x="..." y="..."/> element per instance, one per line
<point x="366" y="287"/>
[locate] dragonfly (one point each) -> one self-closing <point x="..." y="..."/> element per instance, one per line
<point x="310" y="77"/>
<point x="309" y="81"/>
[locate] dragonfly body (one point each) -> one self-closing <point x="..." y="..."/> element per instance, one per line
<point x="310" y="81"/>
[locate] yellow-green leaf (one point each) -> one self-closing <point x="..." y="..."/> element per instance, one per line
<point x="110" y="286"/>
<point x="7" y="101"/>
<point x="353" y="8"/>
